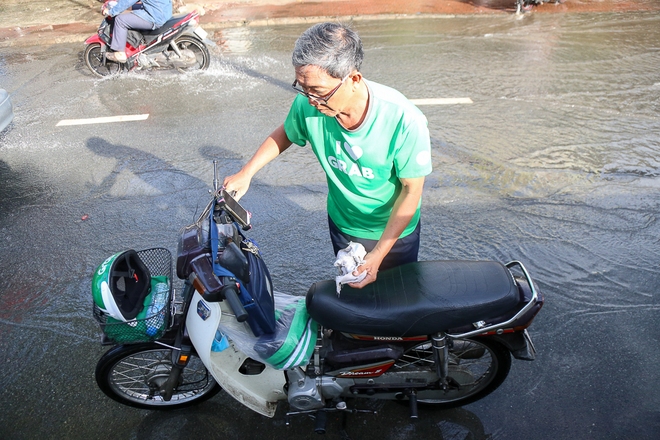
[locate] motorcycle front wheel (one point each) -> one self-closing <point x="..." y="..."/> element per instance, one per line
<point x="197" y="56"/>
<point x="477" y="367"/>
<point x="94" y="60"/>
<point x="132" y="375"/>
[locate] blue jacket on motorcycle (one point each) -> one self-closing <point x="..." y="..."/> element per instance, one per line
<point x="154" y="11"/>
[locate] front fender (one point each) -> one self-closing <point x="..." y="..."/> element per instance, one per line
<point x="94" y="39"/>
<point x="259" y="392"/>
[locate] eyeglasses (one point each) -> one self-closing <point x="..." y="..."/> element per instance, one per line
<point x="322" y="99"/>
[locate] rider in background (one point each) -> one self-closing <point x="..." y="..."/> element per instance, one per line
<point x="152" y="15"/>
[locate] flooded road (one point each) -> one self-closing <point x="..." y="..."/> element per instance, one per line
<point x="555" y="164"/>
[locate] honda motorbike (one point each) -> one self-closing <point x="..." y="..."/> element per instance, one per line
<point x="437" y="333"/>
<point x="181" y="44"/>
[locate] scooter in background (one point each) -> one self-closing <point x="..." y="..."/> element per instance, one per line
<point x="179" y="44"/>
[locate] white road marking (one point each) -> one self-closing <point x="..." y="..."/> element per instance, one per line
<point x="441" y="101"/>
<point x="105" y="120"/>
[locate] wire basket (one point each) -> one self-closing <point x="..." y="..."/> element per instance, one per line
<point x="150" y="328"/>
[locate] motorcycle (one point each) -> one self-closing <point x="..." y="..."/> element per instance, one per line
<point x="181" y="44"/>
<point x="523" y="6"/>
<point x="436" y="333"/>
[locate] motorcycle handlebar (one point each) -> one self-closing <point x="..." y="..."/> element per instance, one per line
<point x="230" y="293"/>
<point x="212" y="289"/>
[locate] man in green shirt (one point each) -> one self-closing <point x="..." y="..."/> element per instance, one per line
<point x="372" y="143"/>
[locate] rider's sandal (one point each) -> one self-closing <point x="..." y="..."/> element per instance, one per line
<point x="117" y="57"/>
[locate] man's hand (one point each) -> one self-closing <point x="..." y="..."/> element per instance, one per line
<point x="371" y="265"/>
<point x="239" y="182"/>
<point x="105" y="9"/>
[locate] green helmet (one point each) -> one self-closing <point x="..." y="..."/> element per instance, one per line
<point x="120" y="284"/>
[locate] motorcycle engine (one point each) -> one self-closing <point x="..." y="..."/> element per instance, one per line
<point x="146" y="62"/>
<point x="167" y="59"/>
<point x="303" y="392"/>
<point x="171" y="59"/>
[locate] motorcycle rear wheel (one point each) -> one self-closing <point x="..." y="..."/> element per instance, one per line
<point x="94" y="60"/>
<point x="131" y="374"/>
<point x="199" y="49"/>
<point x="477" y="367"/>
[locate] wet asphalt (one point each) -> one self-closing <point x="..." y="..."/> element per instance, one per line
<point x="554" y="164"/>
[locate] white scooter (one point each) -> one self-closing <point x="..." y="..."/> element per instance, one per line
<point x="440" y="333"/>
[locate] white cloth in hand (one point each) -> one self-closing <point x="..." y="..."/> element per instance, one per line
<point x="348" y="260"/>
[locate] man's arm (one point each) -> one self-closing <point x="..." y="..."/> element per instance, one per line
<point x="403" y="211"/>
<point x="272" y="147"/>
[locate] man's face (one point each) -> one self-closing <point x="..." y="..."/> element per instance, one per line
<point x="325" y="93"/>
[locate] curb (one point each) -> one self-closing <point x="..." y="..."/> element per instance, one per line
<point x="60" y="34"/>
<point x="287" y="12"/>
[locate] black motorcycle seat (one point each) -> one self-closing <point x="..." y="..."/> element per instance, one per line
<point x="168" y="24"/>
<point x="417" y="299"/>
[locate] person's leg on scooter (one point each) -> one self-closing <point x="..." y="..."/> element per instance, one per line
<point x="124" y="22"/>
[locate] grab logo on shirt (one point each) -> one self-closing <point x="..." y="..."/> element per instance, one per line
<point x="354" y="169"/>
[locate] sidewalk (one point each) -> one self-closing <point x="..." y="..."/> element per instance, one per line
<point x="46" y="22"/>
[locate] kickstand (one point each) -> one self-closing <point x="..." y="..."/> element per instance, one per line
<point x="412" y="398"/>
<point x="321" y="421"/>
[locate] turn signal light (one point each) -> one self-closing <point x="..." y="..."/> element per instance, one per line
<point x="197" y="284"/>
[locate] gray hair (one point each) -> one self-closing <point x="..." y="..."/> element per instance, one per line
<point x="331" y="46"/>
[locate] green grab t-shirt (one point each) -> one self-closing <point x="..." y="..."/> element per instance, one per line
<point x="363" y="166"/>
